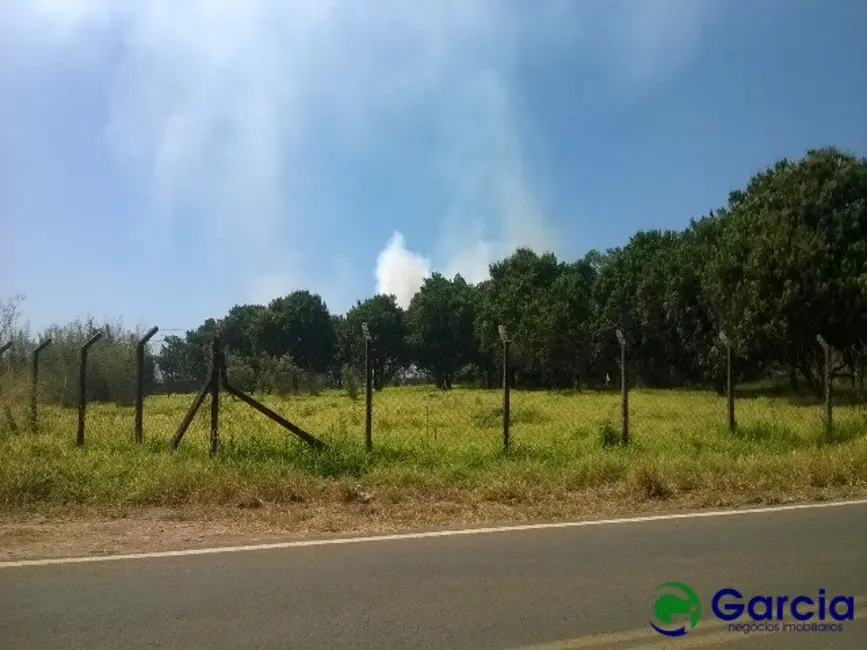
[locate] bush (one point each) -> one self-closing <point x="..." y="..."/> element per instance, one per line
<point x="280" y="375"/>
<point x="111" y="364"/>
<point x="311" y="382"/>
<point x="241" y="373"/>
<point x="13" y="393"/>
<point x="349" y="380"/>
<point x="609" y="436"/>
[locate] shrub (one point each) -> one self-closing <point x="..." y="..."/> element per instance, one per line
<point x="349" y="380"/>
<point x="280" y="375"/>
<point x="609" y="436"/>
<point x="241" y="373"/>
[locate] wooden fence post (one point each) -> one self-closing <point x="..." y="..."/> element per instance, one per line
<point x="827" y="373"/>
<point x="82" y="386"/>
<point x="368" y="389"/>
<point x="507" y="343"/>
<point x="730" y="396"/>
<point x="624" y="388"/>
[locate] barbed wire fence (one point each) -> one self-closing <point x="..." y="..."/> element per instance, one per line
<point x="541" y="415"/>
<point x="273" y="424"/>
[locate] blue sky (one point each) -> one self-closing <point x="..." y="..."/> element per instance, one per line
<point x="163" y="161"/>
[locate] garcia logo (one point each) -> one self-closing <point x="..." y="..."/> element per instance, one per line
<point x="730" y="605"/>
<point x="667" y="606"/>
<point x="757" y="613"/>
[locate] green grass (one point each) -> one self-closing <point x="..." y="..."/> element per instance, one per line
<point x="435" y="447"/>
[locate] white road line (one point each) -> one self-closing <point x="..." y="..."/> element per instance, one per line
<point x="429" y="535"/>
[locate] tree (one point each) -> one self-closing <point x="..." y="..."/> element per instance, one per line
<point x="111" y="362"/>
<point x="514" y="297"/>
<point x="784" y="260"/>
<point x="10" y="312"/>
<point x="792" y="261"/>
<point x="563" y="322"/>
<point x="386" y="321"/>
<point x="546" y="307"/>
<point x="487" y="357"/>
<point x="343" y="350"/>
<point x="439" y="325"/>
<point x="652" y="290"/>
<point x="239" y="330"/>
<point x="299" y="325"/>
<point x="173" y="361"/>
<point x="694" y="331"/>
<point x="197" y="353"/>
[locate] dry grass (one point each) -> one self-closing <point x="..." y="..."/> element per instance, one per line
<point x="437" y="461"/>
<point x="437" y="451"/>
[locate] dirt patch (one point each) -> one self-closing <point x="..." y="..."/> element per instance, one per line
<point x="79" y="532"/>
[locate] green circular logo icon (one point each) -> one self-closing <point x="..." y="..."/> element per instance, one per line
<point x="669" y="605"/>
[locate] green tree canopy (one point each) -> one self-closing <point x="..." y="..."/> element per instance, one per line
<point x="440" y="332"/>
<point x="386" y="321"/>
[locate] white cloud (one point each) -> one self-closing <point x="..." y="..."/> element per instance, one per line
<point x="218" y="103"/>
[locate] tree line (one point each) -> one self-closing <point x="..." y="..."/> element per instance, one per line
<point x="783" y="261"/>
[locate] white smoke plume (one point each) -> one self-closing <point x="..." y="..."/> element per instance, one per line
<point x="218" y="103"/>
<point x="400" y="272"/>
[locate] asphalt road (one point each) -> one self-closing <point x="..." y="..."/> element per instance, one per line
<point x="499" y="590"/>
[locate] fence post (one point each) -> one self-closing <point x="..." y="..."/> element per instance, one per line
<point x="217" y="365"/>
<point x="3" y="349"/>
<point x="139" y="387"/>
<point x="730" y="395"/>
<point x="624" y="388"/>
<point x="82" y="386"/>
<point x="7" y="410"/>
<point x="34" y="382"/>
<point x="827" y="349"/>
<point x="368" y="389"/>
<point x="507" y="343"/>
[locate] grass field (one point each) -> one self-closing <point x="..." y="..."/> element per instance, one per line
<point x="438" y="456"/>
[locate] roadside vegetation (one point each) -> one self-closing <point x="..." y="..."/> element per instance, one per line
<point x="783" y="261"/>
<point x="442" y="449"/>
